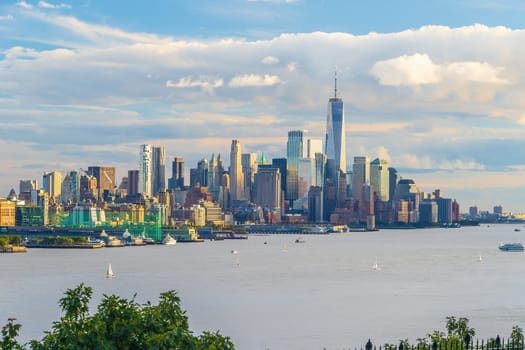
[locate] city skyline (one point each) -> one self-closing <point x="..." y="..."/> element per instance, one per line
<point x="437" y="96"/>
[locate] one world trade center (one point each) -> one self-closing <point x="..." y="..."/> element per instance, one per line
<point x="335" y="142"/>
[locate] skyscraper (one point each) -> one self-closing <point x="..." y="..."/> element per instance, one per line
<point x="268" y="188"/>
<point x="152" y="169"/>
<point x="249" y="168"/>
<point x="52" y="182"/>
<point x="177" y="173"/>
<point x="335" y="143"/>
<point x="158" y="170"/>
<point x="133" y="182"/>
<point x="379" y="178"/>
<point x="145" y="170"/>
<point x="105" y="176"/>
<point x="236" y="175"/>
<point x="360" y="176"/>
<point x="313" y="146"/>
<point x="294" y="152"/>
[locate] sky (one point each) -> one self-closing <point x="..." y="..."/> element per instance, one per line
<point x="436" y="88"/>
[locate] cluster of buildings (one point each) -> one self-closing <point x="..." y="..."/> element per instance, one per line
<point x="312" y="184"/>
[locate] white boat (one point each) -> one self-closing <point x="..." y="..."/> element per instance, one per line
<point x="168" y="240"/>
<point x="376" y="267"/>
<point x="300" y="240"/>
<point x="285" y="248"/>
<point x="109" y="272"/>
<point x="233" y="251"/>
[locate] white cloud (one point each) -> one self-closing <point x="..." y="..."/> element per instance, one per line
<point x="270" y="60"/>
<point x="6" y="18"/>
<point x="205" y="83"/>
<point x="427" y="162"/>
<point x="246" y="80"/>
<point x="47" y="5"/>
<point x="24" y="4"/>
<point x="419" y="69"/>
<point x="291" y="67"/>
<point x="442" y="91"/>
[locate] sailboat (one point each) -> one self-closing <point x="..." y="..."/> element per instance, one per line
<point x="376" y="267"/>
<point x="109" y="272"/>
<point x="480" y="258"/>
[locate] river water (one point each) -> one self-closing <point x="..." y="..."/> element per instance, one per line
<point x="319" y="294"/>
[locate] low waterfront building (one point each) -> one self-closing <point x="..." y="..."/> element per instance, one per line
<point x="7" y="212"/>
<point x="29" y="215"/>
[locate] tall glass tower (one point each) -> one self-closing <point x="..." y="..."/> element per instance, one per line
<point x="294" y="152"/>
<point x="145" y="170"/>
<point x="335" y="143"/>
<point x="236" y="174"/>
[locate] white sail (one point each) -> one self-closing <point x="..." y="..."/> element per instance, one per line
<point x="109" y="272"/>
<point x="376" y="266"/>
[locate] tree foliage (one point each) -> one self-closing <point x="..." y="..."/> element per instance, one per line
<point x="458" y="335"/>
<point x="118" y="323"/>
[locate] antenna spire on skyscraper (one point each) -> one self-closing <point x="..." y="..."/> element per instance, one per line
<point x="335" y="84"/>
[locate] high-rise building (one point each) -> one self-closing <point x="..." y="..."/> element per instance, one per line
<point x="70" y="192"/>
<point x="360" y="175"/>
<point x="133" y="182"/>
<point x="444" y="209"/>
<point x="393" y="179"/>
<point x="281" y="163"/>
<point x="52" y="183"/>
<point x="306" y="177"/>
<point x="335" y="142"/>
<point x="199" y="175"/>
<point x="294" y="152"/>
<point x="152" y="169"/>
<point x="268" y="188"/>
<point x="379" y="178"/>
<point x="315" y="204"/>
<point x="145" y="170"/>
<point x="249" y="168"/>
<point x="158" y="170"/>
<point x="428" y="212"/>
<point x="177" y="174"/>
<point x="236" y="174"/>
<point x="313" y="146"/>
<point x="27" y="186"/>
<point x="105" y="176"/>
<point x="214" y="176"/>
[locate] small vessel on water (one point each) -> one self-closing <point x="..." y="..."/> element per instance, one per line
<point x="375" y="266"/>
<point x="511" y="247"/>
<point x="233" y="251"/>
<point x="109" y="272"/>
<point x="300" y="240"/>
<point x="168" y="240"/>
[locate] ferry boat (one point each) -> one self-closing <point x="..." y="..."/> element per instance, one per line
<point x="511" y="247"/>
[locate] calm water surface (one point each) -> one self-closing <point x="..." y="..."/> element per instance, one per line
<point x="322" y="293"/>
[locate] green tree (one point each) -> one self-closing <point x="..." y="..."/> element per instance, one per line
<point x="118" y="323"/>
<point x="9" y="334"/>
<point x="516" y="336"/>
